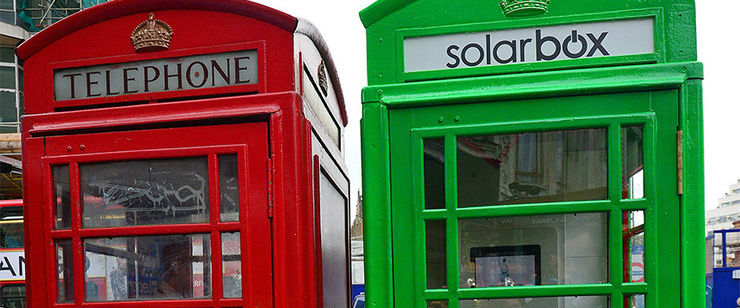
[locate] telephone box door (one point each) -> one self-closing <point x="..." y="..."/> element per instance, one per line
<point x="553" y="202"/>
<point x="177" y="216"/>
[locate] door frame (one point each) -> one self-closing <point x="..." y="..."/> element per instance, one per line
<point x="657" y="111"/>
<point x="249" y="141"/>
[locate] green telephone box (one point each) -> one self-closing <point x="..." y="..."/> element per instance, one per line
<point x="533" y="153"/>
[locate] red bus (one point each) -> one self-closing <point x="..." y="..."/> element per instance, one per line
<point x="12" y="257"/>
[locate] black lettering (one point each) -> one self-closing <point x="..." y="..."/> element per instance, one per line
<point x="598" y="44"/>
<point x="188" y="74"/>
<point x="107" y="84"/>
<point x="216" y="68"/>
<point x="540" y="41"/>
<point x="453" y="56"/>
<point x="72" y="83"/>
<point x="488" y="49"/>
<point x="90" y="83"/>
<point x="574" y="38"/>
<point x="21" y="265"/>
<point x="480" y="54"/>
<point x="126" y="79"/>
<point x="512" y="58"/>
<point x="238" y="69"/>
<point x="167" y="76"/>
<point x="7" y="266"/>
<point x="148" y="80"/>
<point x="522" y="48"/>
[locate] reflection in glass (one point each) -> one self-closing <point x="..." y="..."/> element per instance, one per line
<point x="65" y="286"/>
<point x="62" y="199"/>
<point x="437" y="304"/>
<point x="436" y="254"/>
<point x="228" y="180"/>
<point x="633" y="235"/>
<point x="13" y="296"/>
<point x="718" y="262"/>
<point x="533" y="250"/>
<point x="532" y="167"/>
<point x="232" y="264"/>
<point x="434" y="173"/>
<point x="634" y="301"/>
<point x="148" y="267"/>
<point x="539" y="302"/>
<point x="732" y="246"/>
<point x="633" y="178"/>
<point x="145" y="192"/>
<point x="11" y="227"/>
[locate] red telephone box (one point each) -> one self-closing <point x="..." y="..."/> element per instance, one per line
<point x="184" y="154"/>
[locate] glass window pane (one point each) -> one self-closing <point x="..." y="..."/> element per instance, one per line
<point x="62" y="199"/>
<point x="633" y="178"/>
<point x="7" y="17"/>
<point x="7" y="54"/>
<point x="145" y="192"/>
<point x="13" y="296"/>
<point x="437" y="304"/>
<point x="228" y="179"/>
<point x="65" y="286"/>
<point x="231" y="264"/>
<point x="634" y="237"/>
<point x="532" y="167"/>
<point x="7" y="76"/>
<point x="6" y="5"/>
<point x="11" y="232"/>
<point x="533" y="250"/>
<point x="436" y="254"/>
<point x="148" y="267"/>
<point x="8" y="107"/>
<point x="539" y="302"/>
<point x="634" y="301"/>
<point x="434" y="173"/>
<point x="732" y="241"/>
<point x="718" y="250"/>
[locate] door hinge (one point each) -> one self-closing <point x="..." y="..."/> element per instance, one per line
<point x="270" y="177"/>
<point x="679" y="160"/>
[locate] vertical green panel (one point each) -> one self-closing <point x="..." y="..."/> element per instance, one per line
<point x="453" y="267"/>
<point x="660" y="147"/>
<point x="406" y="207"/>
<point x="376" y="207"/>
<point x="692" y="200"/>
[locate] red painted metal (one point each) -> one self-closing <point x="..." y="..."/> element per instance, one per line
<point x="14" y="202"/>
<point x="280" y="260"/>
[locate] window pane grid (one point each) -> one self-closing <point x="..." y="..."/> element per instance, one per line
<point x="214" y="228"/>
<point x="616" y="289"/>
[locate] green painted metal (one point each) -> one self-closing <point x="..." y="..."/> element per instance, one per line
<point x="661" y="91"/>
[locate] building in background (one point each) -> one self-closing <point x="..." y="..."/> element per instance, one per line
<point x="19" y="20"/>
<point x="727" y="211"/>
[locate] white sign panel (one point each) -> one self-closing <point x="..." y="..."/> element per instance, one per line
<point x="529" y="45"/>
<point x="171" y="74"/>
<point x="12" y="265"/>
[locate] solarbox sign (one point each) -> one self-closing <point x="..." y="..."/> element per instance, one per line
<point x="529" y="45"/>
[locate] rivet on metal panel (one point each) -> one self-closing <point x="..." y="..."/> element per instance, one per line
<point x="82" y="147"/>
<point x="441" y="119"/>
<point x="69" y="149"/>
<point x="457" y="118"/>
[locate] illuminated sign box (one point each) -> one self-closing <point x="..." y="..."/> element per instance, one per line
<point x="184" y="73"/>
<point x="530" y="45"/>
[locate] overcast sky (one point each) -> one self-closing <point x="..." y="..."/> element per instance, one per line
<point x="719" y="50"/>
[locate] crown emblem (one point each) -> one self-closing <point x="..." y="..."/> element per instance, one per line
<point x="151" y="35"/>
<point x="524" y="7"/>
